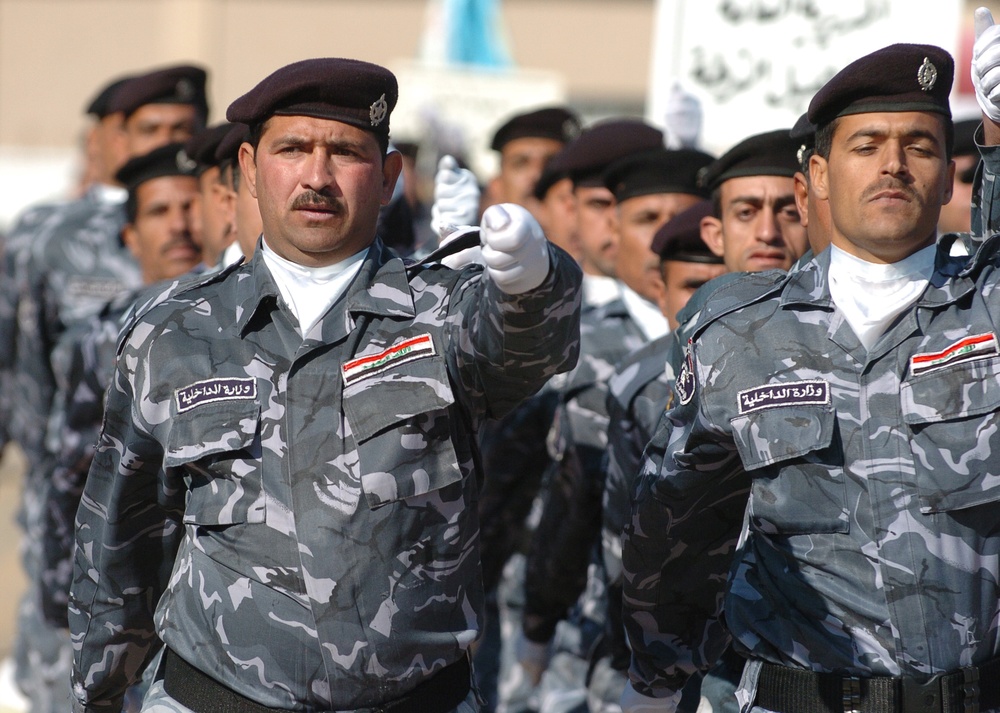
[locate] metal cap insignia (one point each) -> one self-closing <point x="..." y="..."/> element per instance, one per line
<point x="927" y="75"/>
<point x="378" y="111"/>
<point x="184" y="89"/>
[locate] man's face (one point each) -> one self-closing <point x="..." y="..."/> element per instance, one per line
<point x="956" y="215"/>
<point x="638" y="220"/>
<point x="886" y="179"/>
<point x="161" y="238"/>
<point x="759" y="228"/>
<point x="155" y="125"/>
<point x="214" y="213"/>
<point x="521" y="164"/>
<point x="109" y="149"/>
<point x="247" y="220"/>
<point x="681" y="280"/>
<point x="319" y="184"/>
<point x="595" y="215"/>
<point x="557" y="215"/>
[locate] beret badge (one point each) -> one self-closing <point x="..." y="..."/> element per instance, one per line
<point x="378" y="110"/>
<point x="927" y="75"/>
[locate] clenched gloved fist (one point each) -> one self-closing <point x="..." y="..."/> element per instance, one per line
<point x="682" y="120"/>
<point x="456" y="198"/>
<point x="515" y="251"/>
<point x="986" y="64"/>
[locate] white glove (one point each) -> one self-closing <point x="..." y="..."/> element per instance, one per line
<point x="986" y="64"/>
<point x="532" y="656"/>
<point x="634" y="702"/>
<point x="456" y="198"/>
<point x="515" y="251"/>
<point x="682" y="121"/>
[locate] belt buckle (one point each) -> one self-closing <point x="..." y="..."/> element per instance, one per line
<point x="920" y="697"/>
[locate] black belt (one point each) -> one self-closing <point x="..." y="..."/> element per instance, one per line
<point x="442" y="693"/>
<point x="968" y="690"/>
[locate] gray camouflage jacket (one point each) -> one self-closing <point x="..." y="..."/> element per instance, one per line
<point x="866" y="484"/>
<point x="297" y="517"/>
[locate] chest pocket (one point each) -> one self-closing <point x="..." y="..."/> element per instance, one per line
<point x="954" y="433"/>
<point x="798" y="479"/>
<point x="401" y="424"/>
<point x="218" y="446"/>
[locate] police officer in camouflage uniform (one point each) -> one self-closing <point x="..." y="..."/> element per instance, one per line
<point x="74" y="264"/>
<point x="284" y="491"/>
<point x="159" y="232"/>
<point x="831" y="453"/>
<point x="564" y="565"/>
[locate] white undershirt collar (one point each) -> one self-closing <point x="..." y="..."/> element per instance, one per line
<point x="309" y="291"/>
<point x="872" y="295"/>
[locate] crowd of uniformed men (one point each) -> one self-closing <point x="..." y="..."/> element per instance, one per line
<point x="629" y="426"/>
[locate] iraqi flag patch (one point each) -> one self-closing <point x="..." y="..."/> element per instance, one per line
<point x="980" y="346"/>
<point x="406" y="351"/>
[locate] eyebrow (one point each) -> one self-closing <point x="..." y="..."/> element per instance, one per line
<point x="873" y="133"/>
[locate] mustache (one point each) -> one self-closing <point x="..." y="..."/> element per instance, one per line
<point x="312" y="199"/>
<point x="889" y="184"/>
<point x="186" y="240"/>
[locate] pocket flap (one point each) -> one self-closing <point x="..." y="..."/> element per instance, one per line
<point x="776" y="434"/>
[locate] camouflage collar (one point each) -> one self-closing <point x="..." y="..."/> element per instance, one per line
<point x="808" y="283"/>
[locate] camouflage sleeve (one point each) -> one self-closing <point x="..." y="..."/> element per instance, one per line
<point x="563" y="545"/>
<point x="677" y="548"/>
<point x="81" y="404"/>
<point x="510" y="345"/>
<point x="514" y="460"/>
<point x="127" y="532"/>
<point x="985" y="206"/>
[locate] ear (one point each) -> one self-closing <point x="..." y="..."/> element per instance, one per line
<point x="711" y="233"/>
<point x="131" y="239"/>
<point x="819" y="176"/>
<point x="949" y="185"/>
<point x="248" y="165"/>
<point x="801" y="191"/>
<point x="391" y="168"/>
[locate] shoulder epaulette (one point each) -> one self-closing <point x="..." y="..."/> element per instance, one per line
<point x="983" y="252"/>
<point x="467" y="238"/>
<point x="159" y="293"/>
<point x="744" y="289"/>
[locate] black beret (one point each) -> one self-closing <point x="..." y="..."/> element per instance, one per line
<point x="182" y="84"/>
<point x="229" y="147"/>
<point x="805" y="134"/>
<point x="100" y="105"/>
<point x="169" y="160"/>
<point x="554" y="123"/>
<point x="769" y="154"/>
<point x="657" y="171"/>
<point x="587" y="156"/>
<point x="346" y="90"/>
<point x="965" y="137"/>
<point x="901" y="77"/>
<point x="551" y="175"/>
<point x="680" y="237"/>
<point x="201" y="147"/>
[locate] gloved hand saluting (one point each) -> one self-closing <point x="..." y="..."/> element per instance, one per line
<point x="986" y="64"/>
<point x="515" y="251"/>
<point x="456" y="198"/>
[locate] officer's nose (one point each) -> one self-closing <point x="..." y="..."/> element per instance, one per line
<point x="317" y="171"/>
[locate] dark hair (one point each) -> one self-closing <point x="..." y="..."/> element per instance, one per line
<point x="717" y="201"/>
<point x="257" y="131"/>
<point x="824" y="137"/>
<point x="132" y="205"/>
